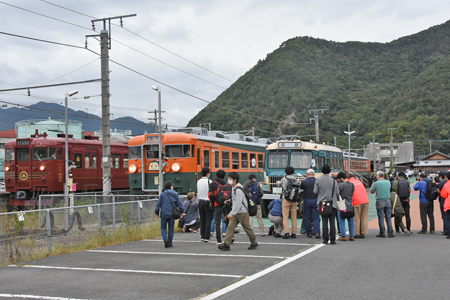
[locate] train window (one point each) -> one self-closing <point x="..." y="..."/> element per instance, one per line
<point x="198" y="156"/>
<point x="152" y="151"/>
<point x="115" y="161"/>
<point x="94" y="160"/>
<point x="278" y="159"/>
<point x="134" y="152"/>
<point x="217" y="159"/>
<point x="226" y="159"/>
<point x="44" y="153"/>
<point x="244" y="160"/>
<point x="125" y="161"/>
<point x="178" y="151"/>
<point x="260" y="161"/>
<point x="9" y="154"/>
<point x="78" y="157"/>
<point x="206" y="158"/>
<point x="193" y="151"/>
<point x="301" y="159"/>
<point x="59" y="153"/>
<point x="87" y="160"/>
<point x="23" y="154"/>
<point x="235" y="160"/>
<point x="252" y="156"/>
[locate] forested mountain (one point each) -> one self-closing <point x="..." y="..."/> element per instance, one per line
<point x="404" y="84"/>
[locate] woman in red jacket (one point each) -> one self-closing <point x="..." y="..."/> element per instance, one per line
<point x="361" y="207"/>
<point x="445" y="193"/>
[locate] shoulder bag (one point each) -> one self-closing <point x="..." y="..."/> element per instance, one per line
<point x="393" y="207"/>
<point x="176" y="210"/>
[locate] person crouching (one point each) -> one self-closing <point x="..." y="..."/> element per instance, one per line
<point x="191" y="219"/>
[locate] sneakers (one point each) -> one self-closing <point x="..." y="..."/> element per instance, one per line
<point x="422" y="232"/>
<point x="407" y="232"/>
<point x="391" y="235"/>
<point x="183" y="229"/>
<point x="276" y="235"/>
<point x="333" y="242"/>
<point x="166" y="243"/>
<point x="325" y="242"/>
<point x="219" y="242"/>
<point x="293" y="236"/>
<point x="170" y="246"/>
<point x="351" y="238"/>
<point x="253" y="247"/>
<point x="361" y="236"/>
<point x="432" y="232"/>
<point x="205" y="241"/>
<point x="286" y="236"/>
<point x="381" y="235"/>
<point x="263" y="234"/>
<point x="309" y="235"/>
<point x="224" y="247"/>
<point x="318" y="236"/>
<point x="342" y="238"/>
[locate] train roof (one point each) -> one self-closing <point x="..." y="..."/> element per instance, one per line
<point x="48" y="141"/>
<point x="298" y="144"/>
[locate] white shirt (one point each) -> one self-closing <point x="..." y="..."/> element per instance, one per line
<point x="203" y="188"/>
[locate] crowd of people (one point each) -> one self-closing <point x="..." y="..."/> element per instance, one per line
<point x="338" y="200"/>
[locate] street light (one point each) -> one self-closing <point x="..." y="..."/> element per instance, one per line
<point x="66" y="160"/>
<point x="349" y="134"/>
<point x="158" y="89"/>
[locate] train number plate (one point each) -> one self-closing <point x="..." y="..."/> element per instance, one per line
<point x="277" y="190"/>
<point x="153" y="166"/>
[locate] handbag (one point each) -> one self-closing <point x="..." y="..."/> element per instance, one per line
<point x="341" y="204"/>
<point x="326" y="207"/>
<point x="181" y="221"/>
<point x="176" y="210"/>
<point x="393" y="207"/>
<point x="348" y="213"/>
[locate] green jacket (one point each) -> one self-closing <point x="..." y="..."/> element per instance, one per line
<point x="382" y="189"/>
<point x="398" y="210"/>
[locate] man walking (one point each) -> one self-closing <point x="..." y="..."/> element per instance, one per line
<point x="205" y="208"/>
<point x="238" y="214"/>
<point x="255" y="190"/>
<point x="361" y="207"/>
<point x="426" y="206"/>
<point x="327" y="190"/>
<point x="442" y="201"/>
<point x="382" y="188"/>
<point x="219" y="191"/>
<point x="288" y="206"/>
<point x="310" y="204"/>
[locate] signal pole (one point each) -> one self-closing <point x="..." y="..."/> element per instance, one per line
<point x="316" y="120"/>
<point x="105" y="46"/>
<point x="373" y="149"/>
<point x="392" y="149"/>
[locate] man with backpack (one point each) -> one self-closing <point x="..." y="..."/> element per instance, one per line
<point x="291" y="192"/>
<point x="425" y="186"/>
<point x="219" y="194"/>
<point x="403" y="190"/>
<point x="239" y="214"/>
<point x="255" y="190"/>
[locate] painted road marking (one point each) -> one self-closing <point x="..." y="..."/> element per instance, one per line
<point x="35" y="297"/>
<point x="261" y="273"/>
<point x="126" y="271"/>
<point x="259" y="243"/>
<point x="185" y="254"/>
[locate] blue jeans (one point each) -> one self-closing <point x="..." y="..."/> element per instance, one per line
<point x="164" y="223"/>
<point x="351" y="225"/>
<point x="384" y="213"/>
<point x="310" y="209"/>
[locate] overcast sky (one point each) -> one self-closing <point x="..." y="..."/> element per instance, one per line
<point x="225" y="37"/>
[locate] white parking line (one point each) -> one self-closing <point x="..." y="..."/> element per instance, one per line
<point x="35" y="297"/>
<point x="259" y="243"/>
<point x="261" y="273"/>
<point x="126" y="271"/>
<point x="186" y="254"/>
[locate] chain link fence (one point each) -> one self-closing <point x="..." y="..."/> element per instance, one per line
<point x="36" y="233"/>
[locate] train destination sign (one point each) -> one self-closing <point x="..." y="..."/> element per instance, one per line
<point x="289" y="145"/>
<point x="152" y="139"/>
<point x="23" y="142"/>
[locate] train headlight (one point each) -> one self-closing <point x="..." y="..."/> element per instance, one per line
<point x="176" y="167"/>
<point x="6" y="168"/>
<point x="132" y="168"/>
<point x="42" y="168"/>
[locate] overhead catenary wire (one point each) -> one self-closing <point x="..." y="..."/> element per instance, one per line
<point x="40" y="40"/>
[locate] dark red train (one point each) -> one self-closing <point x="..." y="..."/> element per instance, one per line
<point x="35" y="166"/>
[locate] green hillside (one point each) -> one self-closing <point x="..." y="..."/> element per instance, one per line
<point x="403" y="84"/>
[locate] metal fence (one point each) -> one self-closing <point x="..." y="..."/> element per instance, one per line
<point x="28" y="234"/>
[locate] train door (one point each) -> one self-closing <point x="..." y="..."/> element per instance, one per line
<point x="91" y="173"/>
<point x="23" y="168"/>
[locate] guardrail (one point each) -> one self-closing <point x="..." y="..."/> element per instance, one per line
<point x="26" y="234"/>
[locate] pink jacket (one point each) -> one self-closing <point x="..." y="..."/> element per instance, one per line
<point x="360" y="194"/>
<point x="445" y="193"/>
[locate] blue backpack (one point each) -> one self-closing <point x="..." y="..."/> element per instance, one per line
<point x="254" y="191"/>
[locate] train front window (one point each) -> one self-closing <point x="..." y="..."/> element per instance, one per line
<point x="44" y="153"/>
<point x="278" y="159"/>
<point x="301" y="159"/>
<point x="23" y="154"/>
<point x="9" y="154"/>
<point x="178" y="151"/>
<point x="152" y="152"/>
<point x="134" y="152"/>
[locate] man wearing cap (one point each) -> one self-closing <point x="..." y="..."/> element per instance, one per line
<point x="191" y="219"/>
<point x="310" y="204"/>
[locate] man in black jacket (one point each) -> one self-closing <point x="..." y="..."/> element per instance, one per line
<point x="218" y="208"/>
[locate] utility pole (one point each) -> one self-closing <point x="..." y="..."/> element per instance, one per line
<point x="349" y="134"/>
<point x="392" y="149"/>
<point x="430" y="146"/>
<point x="155" y="118"/>
<point x="335" y="141"/>
<point x="316" y="120"/>
<point x="373" y="150"/>
<point x="406" y="137"/>
<point x="105" y="46"/>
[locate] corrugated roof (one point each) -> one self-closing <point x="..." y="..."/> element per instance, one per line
<point x="10" y="133"/>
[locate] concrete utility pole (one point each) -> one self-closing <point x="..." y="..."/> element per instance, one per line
<point x="105" y="45"/>
<point x="160" y="162"/>
<point x="349" y="134"/>
<point x="392" y="149"/>
<point x="155" y="119"/>
<point x="406" y="137"/>
<point x="316" y="120"/>
<point x="373" y="150"/>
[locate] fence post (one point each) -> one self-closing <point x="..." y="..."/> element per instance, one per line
<point x="40" y="218"/>
<point x="99" y="215"/>
<point x="139" y="213"/>
<point x="49" y="232"/>
<point x="95" y="197"/>
<point x="114" y="210"/>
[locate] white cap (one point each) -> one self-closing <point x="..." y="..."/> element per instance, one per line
<point x="310" y="171"/>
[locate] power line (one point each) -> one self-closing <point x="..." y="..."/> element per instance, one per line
<point x="40" y="40"/>
<point x="73" y="71"/>
<point x="49" y="85"/>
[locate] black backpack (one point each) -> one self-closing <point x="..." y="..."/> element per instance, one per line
<point x="432" y="192"/>
<point x="403" y="189"/>
<point x="251" y="206"/>
<point x="292" y="190"/>
<point x="223" y="194"/>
